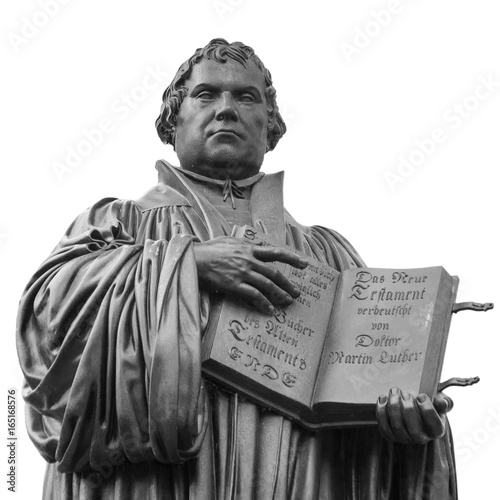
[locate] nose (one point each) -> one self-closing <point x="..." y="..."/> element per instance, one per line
<point x="227" y="108"/>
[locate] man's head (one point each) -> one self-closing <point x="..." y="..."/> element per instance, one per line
<point x="220" y="111"/>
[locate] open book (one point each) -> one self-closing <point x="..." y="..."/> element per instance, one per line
<point x="349" y="338"/>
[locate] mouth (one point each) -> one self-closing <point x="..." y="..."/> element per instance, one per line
<point x="226" y="131"/>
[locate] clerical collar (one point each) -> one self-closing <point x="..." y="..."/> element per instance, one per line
<point x="239" y="183"/>
<point x="230" y="189"/>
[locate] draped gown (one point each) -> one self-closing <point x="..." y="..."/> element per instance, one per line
<point x="109" y="333"/>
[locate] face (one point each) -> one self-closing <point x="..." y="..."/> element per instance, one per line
<point x="222" y="122"/>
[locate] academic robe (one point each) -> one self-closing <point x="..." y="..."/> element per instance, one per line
<point x="109" y="336"/>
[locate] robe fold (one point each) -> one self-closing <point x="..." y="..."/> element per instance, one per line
<point x="109" y="335"/>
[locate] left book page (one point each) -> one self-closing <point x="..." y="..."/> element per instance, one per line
<point x="275" y="357"/>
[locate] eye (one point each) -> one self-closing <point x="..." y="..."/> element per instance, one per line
<point x="246" y="98"/>
<point x="205" y="95"/>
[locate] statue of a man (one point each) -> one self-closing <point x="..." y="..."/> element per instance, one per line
<point x="110" y="328"/>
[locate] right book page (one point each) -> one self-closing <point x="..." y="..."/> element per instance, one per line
<point x="388" y="329"/>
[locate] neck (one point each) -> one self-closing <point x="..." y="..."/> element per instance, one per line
<point x="222" y="171"/>
<point x="219" y="182"/>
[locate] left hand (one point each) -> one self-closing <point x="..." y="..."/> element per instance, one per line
<point x="403" y="418"/>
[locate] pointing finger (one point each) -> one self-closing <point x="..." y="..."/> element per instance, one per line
<point x="269" y="289"/>
<point x="253" y="296"/>
<point x="275" y="254"/>
<point x="277" y="278"/>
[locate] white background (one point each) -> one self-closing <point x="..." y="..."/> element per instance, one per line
<point x="351" y="114"/>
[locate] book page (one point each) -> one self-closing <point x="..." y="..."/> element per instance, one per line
<point x="282" y="351"/>
<point x="380" y="334"/>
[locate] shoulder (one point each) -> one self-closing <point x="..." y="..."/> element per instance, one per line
<point x="105" y="212"/>
<point x="335" y="248"/>
<point x="117" y="215"/>
<point x="332" y="238"/>
<point x="160" y="196"/>
<point x="127" y="211"/>
<point x="289" y="220"/>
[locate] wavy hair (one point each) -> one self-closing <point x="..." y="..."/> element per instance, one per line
<point x="218" y="50"/>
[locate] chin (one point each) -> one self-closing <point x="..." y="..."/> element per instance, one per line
<point x="236" y="169"/>
<point x="237" y="165"/>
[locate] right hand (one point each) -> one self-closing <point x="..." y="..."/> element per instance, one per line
<point x="231" y="266"/>
<point x="403" y="418"/>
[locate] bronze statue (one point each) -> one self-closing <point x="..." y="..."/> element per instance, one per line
<point x="109" y="328"/>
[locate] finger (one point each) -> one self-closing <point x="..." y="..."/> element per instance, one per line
<point x="277" y="278"/>
<point x="413" y="420"/>
<point x="442" y="403"/>
<point x="232" y="240"/>
<point x="384" y="424"/>
<point x="431" y="419"/>
<point x="395" y="410"/>
<point x="273" y="254"/>
<point x="269" y="289"/>
<point x="254" y="297"/>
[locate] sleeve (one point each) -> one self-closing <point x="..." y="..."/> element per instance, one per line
<point x="108" y="338"/>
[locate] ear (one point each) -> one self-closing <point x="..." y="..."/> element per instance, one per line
<point x="271" y="123"/>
